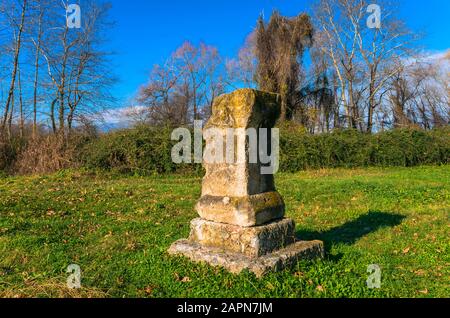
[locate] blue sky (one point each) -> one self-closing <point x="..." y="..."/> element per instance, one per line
<point x="147" y="31"/>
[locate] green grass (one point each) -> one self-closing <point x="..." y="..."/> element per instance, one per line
<point x="118" y="229"/>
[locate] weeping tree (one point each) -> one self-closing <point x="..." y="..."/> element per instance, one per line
<point x="280" y="45"/>
<point x="318" y="107"/>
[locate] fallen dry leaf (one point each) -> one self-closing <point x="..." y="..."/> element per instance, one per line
<point x="186" y="280"/>
<point x="420" y="272"/>
<point x="299" y="274"/>
<point x="149" y="290"/>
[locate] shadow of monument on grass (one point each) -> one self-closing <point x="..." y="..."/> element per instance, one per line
<point x="352" y="231"/>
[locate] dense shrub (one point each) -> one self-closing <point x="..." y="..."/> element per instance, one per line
<point x="141" y="150"/>
<point x="50" y="153"/>
<point x="301" y="151"/>
<point x="403" y="148"/>
<point x="8" y="153"/>
<point x="145" y="150"/>
<point x="406" y="148"/>
<point x="46" y="154"/>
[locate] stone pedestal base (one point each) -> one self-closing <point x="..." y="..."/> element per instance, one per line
<point x="250" y="241"/>
<point x="260" y="249"/>
<point x="236" y="263"/>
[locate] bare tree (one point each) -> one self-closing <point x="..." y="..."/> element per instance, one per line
<point x="38" y="19"/>
<point x="361" y="56"/>
<point x="183" y="89"/>
<point x="241" y="71"/>
<point x="199" y="66"/>
<point x="417" y="93"/>
<point x="18" y="27"/>
<point x="157" y="94"/>
<point x="78" y="67"/>
<point x="337" y="37"/>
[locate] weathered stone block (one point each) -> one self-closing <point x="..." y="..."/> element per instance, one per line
<point x="250" y="241"/>
<point x="250" y="197"/>
<point x="246" y="211"/>
<point x="245" y="108"/>
<point x="235" y="180"/>
<point x="236" y="263"/>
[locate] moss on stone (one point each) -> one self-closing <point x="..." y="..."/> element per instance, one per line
<point x="245" y="108"/>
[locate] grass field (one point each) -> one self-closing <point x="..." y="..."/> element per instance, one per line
<point x="118" y="229"/>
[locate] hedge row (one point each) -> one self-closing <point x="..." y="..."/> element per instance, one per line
<point x="147" y="150"/>
<point x="399" y="148"/>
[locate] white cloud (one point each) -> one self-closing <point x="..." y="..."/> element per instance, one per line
<point x="441" y="58"/>
<point x="122" y="117"/>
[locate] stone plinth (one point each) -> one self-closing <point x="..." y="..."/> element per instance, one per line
<point x="250" y="241"/>
<point x="242" y="224"/>
<point x="260" y="266"/>
<point x="250" y="210"/>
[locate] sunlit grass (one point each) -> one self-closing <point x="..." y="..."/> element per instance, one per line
<point x="119" y="228"/>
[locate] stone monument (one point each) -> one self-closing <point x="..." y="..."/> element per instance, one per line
<point x="242" y="224"/>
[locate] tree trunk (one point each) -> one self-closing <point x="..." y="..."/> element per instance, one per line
<point x="52" y="115"/>
<point x="70" y="117"/>
<point x="21" y="120"/>
<point x="10" y="117"/>
<point x="371" y="101"/>
<point x="62" y="86"/>
<point x="352" y="106"/>
<point x="15" y="65"/>
<point x="36" y="75"/>
<point x="370" y="115"/>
